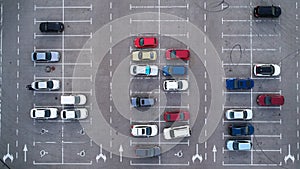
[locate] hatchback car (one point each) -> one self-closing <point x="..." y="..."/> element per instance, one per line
<point x="45" y="85"/>
<point x="172" y="54"/>
<point x="270" y="100"/>
<point x="142" y="101"/>
<point x="44" y="113"/>
<point x="144" y="130"/>
<point x="174" y="70"/>
<point x="236" y="83"/>
<point x="45" y="56"/>
<point x="74" y="114"/>
<point x="239" y="114"/>
<point x="177" y="132"/>
<point x="239" y="145"/>
<point x="176" y="116"/>
<point x="51" y="27"/>
<point x="175" y="85"/>
<point x="145" y="42"/>
<point x="144" y="55"/>
<point x="241" y="130"/>
<point x="267" y="11"/>
<point x="147" y="151"/>
<point x="266" y="70"/>
<point x="146" y="70"/>
<point x="77" y="99"/>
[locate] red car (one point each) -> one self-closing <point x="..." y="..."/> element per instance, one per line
<point x="145" y="42"/>
<point x="172" y="54"/>
<point x="270" y="100"/>
<point x="176" y="116"/>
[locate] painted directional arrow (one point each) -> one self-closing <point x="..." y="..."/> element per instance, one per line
<point x="214" y="150"/>
<point x="25" y="151"/>
<point x="121" y="151"/>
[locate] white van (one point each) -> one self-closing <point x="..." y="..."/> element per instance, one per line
<point x="177" y="132"/>
<point x="78" y="99"/>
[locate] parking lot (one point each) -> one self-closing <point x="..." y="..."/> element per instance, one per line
<point x="225" y="41"/>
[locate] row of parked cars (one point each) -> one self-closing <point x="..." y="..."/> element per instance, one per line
<point x="245" y="129"/>
<point x="170" y="84"/>
<point x="74" y="104"/>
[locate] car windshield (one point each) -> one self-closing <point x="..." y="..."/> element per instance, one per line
<point x="181" y="116"/>
<point x="34" y="56"/>
<point x="273" y="11"/>
<point x="179" y="85"/>
<point x="172" y="135"/>
<point x="248" y="83"/>
<point x="173" y="54"/>
<point x="236" y="83"/>
<point x="267" y="100"/>
<point x="33" y="113"/>
<point x="169" y="117"/>
<point x="36" y="85"/>
<point x="266" y="70"/>
<point x="140" y="55"/>
<point x="134" y="69"/>
<point x="148" y="70"/>
<point x="246" y="130"/>
<point x="151" y="55"/>
<point x="231" y="114"/>
<point x="47" y="113"/>
<point x="77" y="113"/>
<point x="48" y="55"/>
<point x="148" y="131"/>
<point x="245" y="114"/>
<point x="77" y="99"/>
<point x="235" y="146"/>
<point x="141" y="41"/>
<point x="50" y="84"/>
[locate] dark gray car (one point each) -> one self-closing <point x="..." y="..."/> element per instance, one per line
<point x="147" y="151"/>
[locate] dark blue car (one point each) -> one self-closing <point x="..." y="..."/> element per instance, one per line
<point x="236" y="83"/>
<point x="174" y="70"/>
<point x="241" y="130"/>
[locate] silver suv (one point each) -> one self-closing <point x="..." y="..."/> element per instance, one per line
<point x="177" y="132"/>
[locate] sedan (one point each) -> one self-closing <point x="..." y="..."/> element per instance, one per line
<point x="174" y="70"/>
<point x="239" y="114"/>
<point x="142" y="101"/>
<point x="270" y="100"/>
<point x="172" y="54"/>
<point x="176" y="116"/>
<point x="241" y="130"/>
<point x="267" y="11"/>
<point x="144" y="55"/>
<point x="175" y="85"/>
<point x="145" y="42"/>
<point x="236" y="83"/>
<point x="74" y="114"/>
<point x="45" y="85"/>
<point x="149" y="151"/>
<point x="239" y="145"/>
<point x="42" y="56"/>
<point x="146" y="70"/>
<point x="51" y="27"/>
<point x="266" y="70"/>
<point x="144" y="130"/>
<point x="44" y="113"/>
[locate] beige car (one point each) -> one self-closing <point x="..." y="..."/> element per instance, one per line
<point x="144" y="55"/>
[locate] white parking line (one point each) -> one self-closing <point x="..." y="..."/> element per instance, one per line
<point x="65" y="50"/>
<point x="253" y="121"/>
<point x="62" y="92"/>
<point x="50" y="163"/>
<point x="252" y="165"/>
<point x="65" y="21"/>
<point x="63" y="7"/>
<point x="164" y="143"/>
<point x="159" y="164"/>
<point x="253" y="107"/>
<point x="156" y="20"/>
<point x="231" y="92"/>
<point x="249" y="49"/>
<point x="63" y="35"/>
<point x="260" y="136"/>
<point x="66" y="64"/>
<point x="71" y="77"/>
<point x="248" y="20"/>
<point x="250" y="35"/>
<point x="260" y="150"/>
<point x="157" y="7"/>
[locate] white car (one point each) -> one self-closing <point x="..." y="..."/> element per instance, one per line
<point x="144" y="130"/>
<point x="147" y="70"/>
<point x="175" y="85"/>
<point x="144" y="55"/>
<point x="266" y="70"/>
<point x="177" y="132"/>
<point x="239" y="114"/>
<point x="74" y="114"/>
<point x="45" y="56"/>
<point x="78" y="99"/>
<point x="45" y="85"/>
<point x="239" y="145"/>
<point x="44" y="113"/>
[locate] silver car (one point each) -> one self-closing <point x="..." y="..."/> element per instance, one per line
<point x="146" y="70"/>
<point x="74" y="114"/>
<point x="45" y="85"/>
<point x="44" y="113"/>
<point x="147" y="151"/>
<point x="45" y="56"/>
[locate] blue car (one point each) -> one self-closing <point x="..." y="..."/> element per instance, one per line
<point x="241" y="130"/>
<point x="174" y="70"/>
<point x="142" y="101"/>
<point x="236" y="83"/>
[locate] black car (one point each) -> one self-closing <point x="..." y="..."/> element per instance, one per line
<point x="267" y="11"/>
<point x="51" y="27"/>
